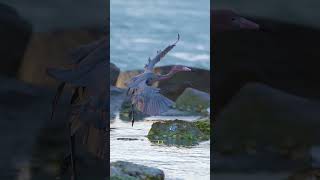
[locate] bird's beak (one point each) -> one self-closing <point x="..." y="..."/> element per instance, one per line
<point x="186" y="69"/>
<point x="246" y="24"/>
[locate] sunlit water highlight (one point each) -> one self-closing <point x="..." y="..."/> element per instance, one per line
<point x="185" y="163"/>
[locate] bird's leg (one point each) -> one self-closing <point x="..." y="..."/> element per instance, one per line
<point x="132" y="114"/>
<point x="72" y="153"/>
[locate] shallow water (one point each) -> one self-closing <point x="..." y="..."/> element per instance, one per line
<point x="141" y="27"/>
<point x="176" y="162"/>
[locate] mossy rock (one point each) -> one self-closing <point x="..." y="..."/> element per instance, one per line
<point x="193" y="100"/>
<point x="125" y="112"/>
<point x="178" y="132"/>
<point x="122" y="170"/>
<point x="204" y="126"/>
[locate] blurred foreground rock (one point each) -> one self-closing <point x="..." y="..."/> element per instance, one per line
<point x="15" y="33"/>
<point x="121" y="170"/>
<point x="52" y="49"/>
<point x="262" y="115"/>
<point x="33" y="146"/>
<point x="282" y="55"/>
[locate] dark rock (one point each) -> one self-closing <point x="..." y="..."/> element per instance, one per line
<point x="198" y="79"/>
<point x="114" y="73"/>
<point x="121" y="170"/>
<point x="127" y="139"/>
<point x="15" y="33"/>
<point x="117" y="96"/>
<point x="177" y="132"/>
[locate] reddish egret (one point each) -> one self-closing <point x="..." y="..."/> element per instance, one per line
<point x="146" y="98"/>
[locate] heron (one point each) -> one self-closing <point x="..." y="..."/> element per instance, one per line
<point x="146" y="98"/>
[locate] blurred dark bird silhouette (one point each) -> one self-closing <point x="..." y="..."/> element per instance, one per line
<point x="89" y="101"/>
<point x="143" y="96"/>
<point x="228" y="20"/>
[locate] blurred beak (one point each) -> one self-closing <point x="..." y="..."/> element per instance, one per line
<point x="186" y="69"/>
<point x="246" y="24"/>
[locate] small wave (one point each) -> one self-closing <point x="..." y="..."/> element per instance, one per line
<point x="191" y="57"/>
<point x="144" y="40"/>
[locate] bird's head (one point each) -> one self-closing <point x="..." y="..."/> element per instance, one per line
<point x="179" y="68"/>
<point x="228" y="20"/>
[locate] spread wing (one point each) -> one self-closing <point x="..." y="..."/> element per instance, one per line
<point x="148" y="100"/>
<point x="89" y="51"/>
<point x="159" y="56"/>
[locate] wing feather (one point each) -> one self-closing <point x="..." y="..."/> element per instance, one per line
<point x="148" y="100"/>
<point x="151" y="63"/>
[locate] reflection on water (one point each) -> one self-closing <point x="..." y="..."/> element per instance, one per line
<point x="141" y="27"/>
<point x="176" y="162"/>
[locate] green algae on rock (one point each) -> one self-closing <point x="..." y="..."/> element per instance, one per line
<point x="122" y="170"/>
<point x="204" y="126"/>
<point x="193" y="100"/>
<point x="177" y="132"/>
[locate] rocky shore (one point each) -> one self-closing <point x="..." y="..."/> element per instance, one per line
<point x="190" y="101"/>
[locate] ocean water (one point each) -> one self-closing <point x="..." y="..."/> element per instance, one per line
<point x="178" y="163"/>
<point x="139" y="28"/>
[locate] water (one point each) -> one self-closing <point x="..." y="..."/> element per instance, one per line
<point x="176" y="162"/>
<point x="141" y="27"/>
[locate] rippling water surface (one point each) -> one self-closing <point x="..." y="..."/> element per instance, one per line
<point x="141" y="27"/>
<point x="176" y="162"/>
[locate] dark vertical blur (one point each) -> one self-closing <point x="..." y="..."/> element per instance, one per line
<point x="36" y="35"/>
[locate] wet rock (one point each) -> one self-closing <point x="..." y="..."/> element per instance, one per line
<point x="15" y="35"/>
<point x="177" y="112"/>
<point x="177" y="132"/>
<point x="117" y="97"/>
<point x="127" y="139"/>
<point x="114" y="73"/>
<point x="261" y="116"/>
<point x="193" y="100"/>
<point x="125" y="76"/>
<point x="53" y="49"/>
<point x="121" y="170"/>
<point x="172" y="88"/>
